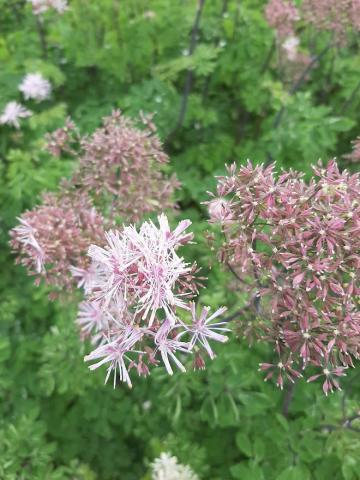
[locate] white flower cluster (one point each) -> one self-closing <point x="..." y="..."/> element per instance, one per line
<point x="167" y="467"/>
<point x="12" y="113"/>
<point x="33" y="87"/>
<point x="137" y="284"/>
<point x="290" y="46"/>
<point x="41" y="6"/>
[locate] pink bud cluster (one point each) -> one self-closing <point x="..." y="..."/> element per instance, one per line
<point x="354" y="156"/>
<point x="122" y="166"/>
<point x="55" y="235"/>
<point x="282" y="15"/>
<point x="136" y="290"/>
<point x="64" y="140"/>
<point x="296" y="248"/>
<point x="337" y="16"/>
<point x="119" y="177"/>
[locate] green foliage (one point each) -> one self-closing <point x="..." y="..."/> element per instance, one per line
<point x="58" y="421"/>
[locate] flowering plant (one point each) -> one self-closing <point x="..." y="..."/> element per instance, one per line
<point x="135" y="288"/>
<point x="219" y="79"/>
<point x="295" y="248"/>
<point x="136" y="284"/>
<point x="119" y="176"/>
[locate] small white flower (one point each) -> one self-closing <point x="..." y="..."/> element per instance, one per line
<point x="39" y="6"/>
<point x="27" y="237"/>
<point x="291" y="47"/>
<point x="12" y="113"/>
<point x="59" y="5"/>
<point x="149" y="14"/>
<point x="147" y="405"/>
<point x="167" y="467"/>
<point x="203" y="329"/>
<point x="35" y="86"/>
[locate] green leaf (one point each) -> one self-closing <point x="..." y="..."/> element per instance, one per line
<point x="244" y="444"/>
<point x="296" y="472"/>
<point x="244" y="471"/>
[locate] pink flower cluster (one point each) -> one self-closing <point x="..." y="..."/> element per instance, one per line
<point x="122" y="166"/>
<point x="282" y="15"/>
<point x="296" y="248"/>
<point x="55" y="235"/>
<point x="337" y="16"/>
<point x="119" y="178"/>
<point x="64" y="140"/>
<point x="136" y="288"/>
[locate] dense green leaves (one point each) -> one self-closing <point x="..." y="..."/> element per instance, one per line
<point x="58" y="421"/>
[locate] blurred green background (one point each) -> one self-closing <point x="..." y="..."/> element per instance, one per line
<point x="216" y="91"/>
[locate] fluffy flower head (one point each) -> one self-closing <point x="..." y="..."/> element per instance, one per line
<point x="290" y="46"/>
<point x="142" y="267"/>
<point x="138" y="284"/>
<point x="34" y="86"/>
<point x="12" y="114"/>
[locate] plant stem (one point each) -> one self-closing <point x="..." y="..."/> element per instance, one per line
<point x="42" y="37"/>
<point x="189" y="74"/>
<point x="289" y="395"/>
<point x="299" y="83"/>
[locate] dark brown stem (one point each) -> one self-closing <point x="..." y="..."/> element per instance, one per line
<point x="42" y="37"/>
<point x="189" y="74"/>
<point x="297" y="85"/>
<point x="300" y="81"/>
<point x="268" y="58"/>
<point x="244" y="115"/>
<point x="257" y="297"/>
<point x="217" y="41"/>
<point x="235" y="274"/>
<point x="346" y="423"/>
<point x="236" y="314"/>
<point x="289" y="395"/>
